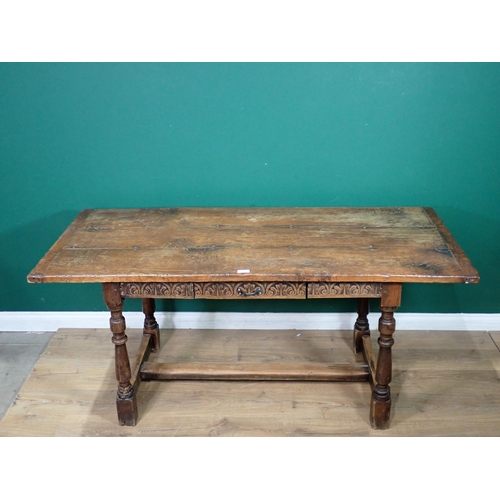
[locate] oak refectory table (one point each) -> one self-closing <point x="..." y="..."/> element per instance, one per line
<point x="256" y="253"/>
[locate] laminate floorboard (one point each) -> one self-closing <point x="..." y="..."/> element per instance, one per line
<point x="444" y="384"/>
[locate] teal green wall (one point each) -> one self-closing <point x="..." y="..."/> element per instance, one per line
<point x="76" y="136"/>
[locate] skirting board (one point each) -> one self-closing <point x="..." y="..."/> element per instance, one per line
<point x="51" y="321"/>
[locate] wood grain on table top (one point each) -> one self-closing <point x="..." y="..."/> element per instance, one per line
<point x="409" y="244"/>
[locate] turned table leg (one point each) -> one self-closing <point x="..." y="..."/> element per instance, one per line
<point x="126" y="402"/>
<point x="380" y="407"/>
<point x="150" y="325"/>
<point x="361" y="327"/>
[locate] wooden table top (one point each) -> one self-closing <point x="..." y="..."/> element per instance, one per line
<point x="408" y="244"/>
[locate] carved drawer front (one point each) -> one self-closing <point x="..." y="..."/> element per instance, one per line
<point x="160" y="290"/>
<point x="325" y="290"/>
<point x="250" y="290"/>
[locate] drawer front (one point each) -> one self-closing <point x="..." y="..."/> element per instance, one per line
<point x="324" y="290"/>
<point x="160" y="290"/>
<point x="250" y="290"/>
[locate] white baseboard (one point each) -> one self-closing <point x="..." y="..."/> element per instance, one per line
<point x="51" y="321"/>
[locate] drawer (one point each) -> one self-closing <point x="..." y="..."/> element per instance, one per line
<point x="324" y="290"/>
<point x="159" y="290"/>
<point x="250" y="290"/>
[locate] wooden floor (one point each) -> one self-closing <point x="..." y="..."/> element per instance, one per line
<point x="19" y="353"/>
<point x="444" y="384"/>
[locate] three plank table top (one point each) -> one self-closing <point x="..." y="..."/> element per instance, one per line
<point x="256" y="253"/>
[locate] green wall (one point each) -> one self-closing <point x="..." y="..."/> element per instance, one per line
<point x="76" y="136"/>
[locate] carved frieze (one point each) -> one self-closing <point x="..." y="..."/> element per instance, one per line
<point x="325" y="289"/>
<point x="250" y="289"/>
<point x="160" y="290"/>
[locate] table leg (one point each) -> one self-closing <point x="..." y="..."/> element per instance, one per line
<point x="150" y="325"/>
<point x="380" y="409"/>
<point x="126" y="401"/>
<point x="361" y="327"/>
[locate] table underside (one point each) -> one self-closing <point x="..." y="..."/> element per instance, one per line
<point x="146" y="370"/>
